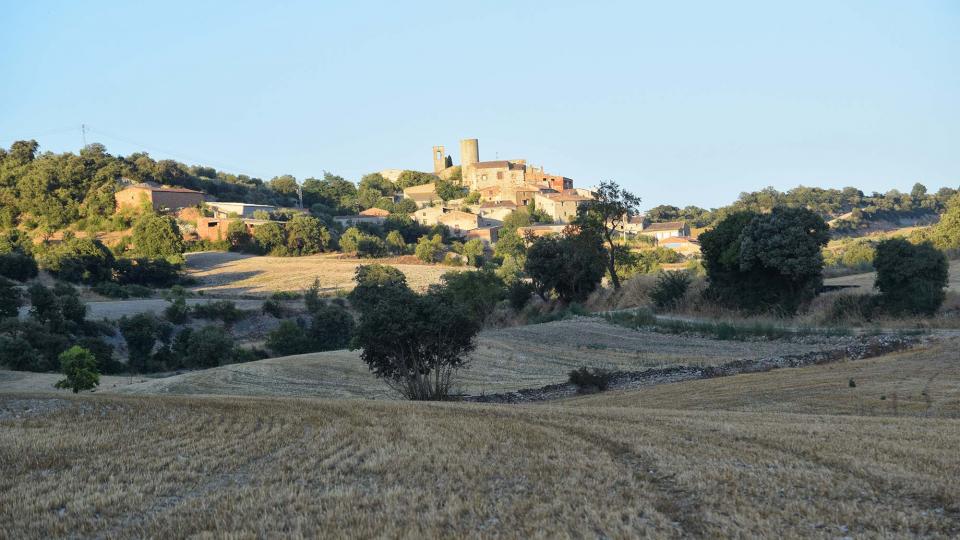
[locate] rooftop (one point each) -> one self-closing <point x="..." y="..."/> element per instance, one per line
<point x="666" y="226"/>
<point x="165" y="189"/>
<point x="375" y="212"/>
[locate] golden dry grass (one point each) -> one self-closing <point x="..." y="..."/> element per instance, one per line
<point x="505" y="360"/>
<point x="864" y="282"/>
<point x="924" y="381"/>
<point x="118" y="467"/>
<point x="234" y="273"/>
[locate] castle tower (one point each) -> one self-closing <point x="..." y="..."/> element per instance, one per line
<point x="439" y="159"/>
<point x="469" y="153"/>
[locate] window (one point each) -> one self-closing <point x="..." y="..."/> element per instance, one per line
<point x="500" y="176"/>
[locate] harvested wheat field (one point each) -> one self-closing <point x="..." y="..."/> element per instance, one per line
<point x="236" y="273"/>
<point x="505" y="360"/>
<point x="924" y="381"/>
<point x="154" y="466"/>
<point x="864" y="282"/>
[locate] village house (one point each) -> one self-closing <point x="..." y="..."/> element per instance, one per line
<point x="493" y="213"/>
<point x="459" y="222"/>
<point x="428" y="216"/>
<point x="632" y="225"/>
<point x="562" y="207"/>
<point x="487" y="235"/>
<point x="665" y="230"/>
<point x="423" y="195"/>
<point x="237" y="209"/>
<point x="215" y="229"/>
<point x="160" y="198"/>
<point x="540" y="230"/>
<point x="374" y="216"/>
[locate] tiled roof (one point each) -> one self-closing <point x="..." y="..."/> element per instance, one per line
<point x="375" y="212"/>
<point x="165" y="189"/>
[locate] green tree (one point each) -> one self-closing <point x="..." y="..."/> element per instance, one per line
<point x="80" y="368"/>
<point x="307" y="235"/>
<point x="946" y="233"/>
<point x="350" y="240"/>
<point x="286" y="185"/>
<point x="448" y="190"/>
<point x="290" y="338"/>
<point x="602" y="217"/>
<point x="331" y="328"/>
<point x="269" y="237"/>
<point x="414" y="178"/>
<point x="911" y="278"/>
<point x="371" y="247"/>
<point x="478" y="292"/>
<point x="414" y="342"/>
<point x="371" y="279"/>
<point x="141" y="333"/>
<point x="210" y="346"/>
<point x="156" y="236"/>
<point x="763" y="262"/>
<point x="473" y="250"/>
<point x="429" y="248"/>
<point x="395" y="243"/>
<point x="571" y="266"/>
<point x="9" y="298"/>
<point x="237" y="235"/>
<point x="79" y="260"/>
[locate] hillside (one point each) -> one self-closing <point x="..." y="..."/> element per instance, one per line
<point x="505" y="360"/>
<point x="609" y="466"/>
<point x="864" y="282"/>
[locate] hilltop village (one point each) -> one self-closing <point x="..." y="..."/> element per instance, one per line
<point x="491" y="191"/>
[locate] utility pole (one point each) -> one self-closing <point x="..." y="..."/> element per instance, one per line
<point x="83" y="134"/>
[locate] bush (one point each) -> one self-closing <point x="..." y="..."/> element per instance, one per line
<point x="110" y="290"/>
<point x="269" y="237"/>
<point x="147" y="272"/>
<point x="911" y="278"/>
<point x="290" y="338"/>
<point x="177" y="312"/>
<point x="851" y="308"/>
<point x="307" y="235"/>
<point x="142" y="332"/>
<point x="571" y="266"/>
<point x="395" y="243"/>
<point x="17" y="265"/>
<point x="429" y="248"/>
<point x="80" y="368"/>
<point x="224" y="310"/>
<point x="9" y="298"/>
<point x="79" y="260"/>
<point x="371" y="247"/>
<point x="331" y="328"/>
<point x="478" y="292"/>
<point x="274" y="308"/>
<point x="519" y="295"/>
<point x="670" y="288"/>
<point x="590" y="380"/>
<point x="210" y="346"/>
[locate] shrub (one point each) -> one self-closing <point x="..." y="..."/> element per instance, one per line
<point x="141" y="332"/>
<point x="147" y="272"/>
<point x="224" y="310"/>
<point x="852" y="307"/>
<point x="274" y="308"/>
<point x="237" y="236"/>
<point x="911" y="278"/>
<point x="177" y="312"/>
<point x="290" y="338"/>
<point x="395" y="243"/>
<point x="350" y="240"/>
<point x="9" y="298"/>
<point x="79" y="260"/>
<point x="429" y="248"/>
<point x="80" y="369"/>
<point x="210" y="346"/>
<point x="110" y="290"/>
<point x="371" y="247"/>
<point x="17" y="353"/>
<point x="269" y="237"/>
<point x="519" y="294"/>
<point x="17" y="265"/>
<point x="307" y="235"/>
<point x="670" y="288"/>
<point x="331" y="328"/>
<point x="589" y="380"/>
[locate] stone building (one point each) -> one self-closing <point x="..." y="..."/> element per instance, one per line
<point x="562" y="207"/>
<point x="478" y="175"/>
<point x="244" y="210"/>
<point x="161" y="198"/>
<point x="215" y="229"/>
<point x="662" y="231"/>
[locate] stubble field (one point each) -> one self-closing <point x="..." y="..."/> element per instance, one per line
<point x="609" y="466"/>
<point x="238" y="274"/>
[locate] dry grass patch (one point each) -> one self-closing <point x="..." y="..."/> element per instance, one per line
<point x="235" y="273"/>
<point x="919" y="382"/>
<point x="124" y="467"/>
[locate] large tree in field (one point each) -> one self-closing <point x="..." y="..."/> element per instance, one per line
<point x="413" y="342"/>
<point x="604" y="215"/>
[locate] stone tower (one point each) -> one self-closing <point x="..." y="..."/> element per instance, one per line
<point x="469" y="153"/>
<point x="439" y="159"/>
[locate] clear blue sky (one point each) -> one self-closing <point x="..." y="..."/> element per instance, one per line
<point x="683" y="102"/>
